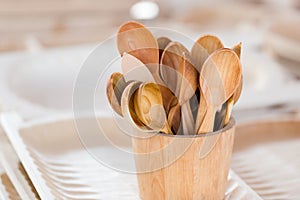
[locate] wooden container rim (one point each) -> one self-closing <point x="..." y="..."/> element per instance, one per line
<point x="230" y="125"/>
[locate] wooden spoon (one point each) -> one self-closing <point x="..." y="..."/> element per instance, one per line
<point x="127" y="106"/>
<point x="203" y="47"/>
<point x="114" y="89"/>
<point x="201" y="50"/>
<point x="236" y="95"/>
<point x="171" y="61"/>
<point x="219" y="79"/>
<point x="178" y="72"/>
<point x="135" y="39"/>
<point x="148" y="104"/>
<point x="188" y="87"/>
<point x="181" y="77"/>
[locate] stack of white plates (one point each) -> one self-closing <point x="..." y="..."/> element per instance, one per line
<point x="60" y="167"/>
<point x="57" y="164"/>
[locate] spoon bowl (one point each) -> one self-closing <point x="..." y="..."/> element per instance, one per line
<point x="114" y="89"/>
<point x="135" y="39"/>
<point x="127" y="105"/>
<point x="148" y="104"/>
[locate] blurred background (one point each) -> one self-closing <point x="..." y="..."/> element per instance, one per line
<point x="60" y="23"/>
<point x="43" y="44"/>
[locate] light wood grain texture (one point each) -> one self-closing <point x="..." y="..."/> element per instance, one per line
<point x="219" y="78"/>
<point x="201" y="50"/>
<point x="134" y="38"/>
<point x="179" y="74"/>
<point x="148" y="105"/>
<point x="238" y="50"/>
<point x="127" y="106"/>
<point x="179" y="173"/>
<point x="114" y="89"/>
<point x="236" y="95"/>
<point x="203" y="47"/>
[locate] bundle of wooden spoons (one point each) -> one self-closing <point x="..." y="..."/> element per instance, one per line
<point x="166" y="88"/>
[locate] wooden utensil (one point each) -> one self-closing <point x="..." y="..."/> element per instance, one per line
<point x="181" y="77"/>
<point x="201" y="50"/>
<point x="135" y="39"/>
<point x="114" y="89"/>
<point x="148" y="104"/>
<point x="171" y="60"/>
<point x="203" y="47"/>
<point x="226" y="111"/>
<point x="188" y="87"/>
<point x="219" y="79"/>
<point x="128" y="110"/>
<point x="236" y="96"/>
<point x="133" y="69"/>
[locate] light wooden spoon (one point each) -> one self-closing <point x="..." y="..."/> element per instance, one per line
<point x="135" y="70"/>
<point x="236" y="95"/>
<point x="181" y="77"/>
<point x="203" y="47"/>
<point x="114" y="89"/>
<point x="188" y="87"/>
<point x="148" y="104"/>
<point x="171" y="61"/>
<point x="219" y="79"/>
<point x="135" y="39"/>
<point x="201" y="50"/>
<point x="127" y="106"/>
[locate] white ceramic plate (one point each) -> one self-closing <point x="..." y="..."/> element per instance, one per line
<point x="61" y="167"/>
<point x="7" y="189"/>
<point x="13" y="169"/>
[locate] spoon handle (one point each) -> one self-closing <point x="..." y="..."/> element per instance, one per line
<point x="207" y="127"/>
<point x="166" y="129"/>
<point x="207" y="124"/>
<point x="202" y="109"/>
<point x="187" y="119"/>
<point x="229" y="107"/>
